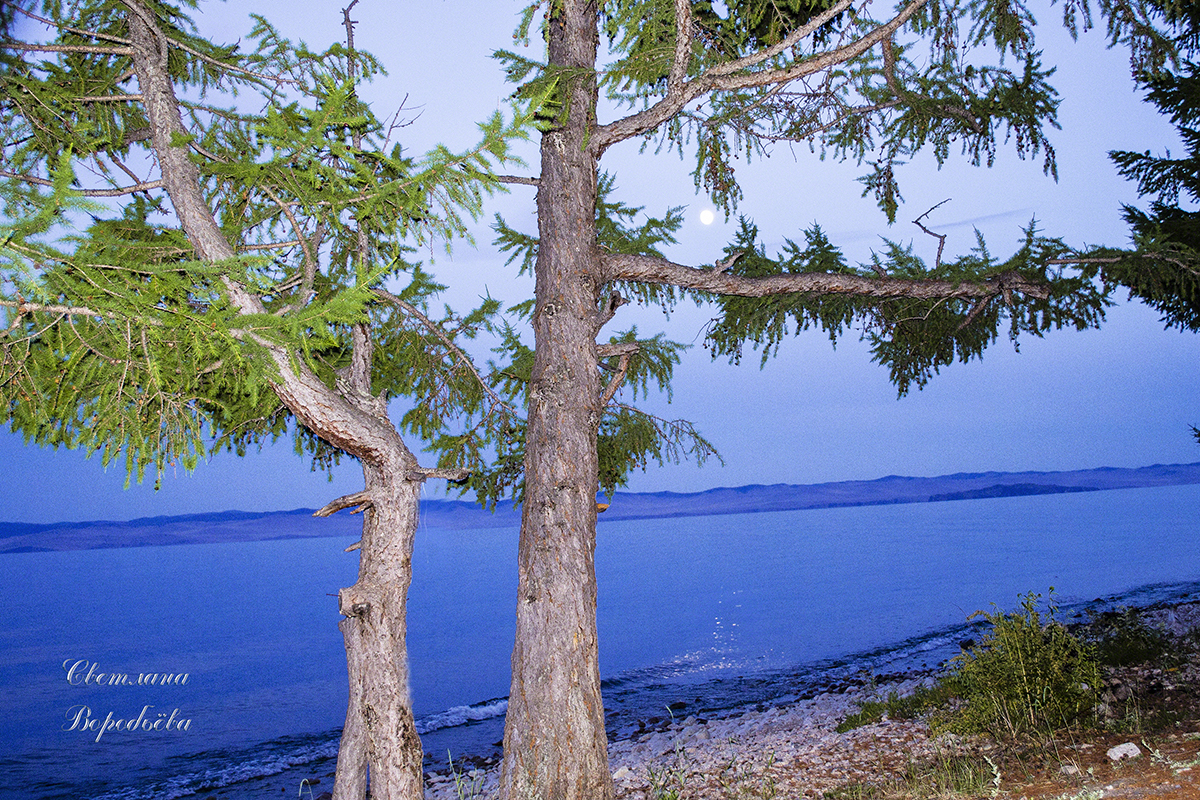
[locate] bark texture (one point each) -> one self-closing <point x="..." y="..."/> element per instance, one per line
<point x="554" y="739"/>
<point x="380" y="737"/>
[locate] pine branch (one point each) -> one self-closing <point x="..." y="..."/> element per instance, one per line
<point x="25" y="307"/>
<point x="108" y="98"/>
<point x="649" y="269"/>
<point x="69" y="29"/>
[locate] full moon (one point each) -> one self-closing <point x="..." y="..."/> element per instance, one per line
<point x="707" y="216"/>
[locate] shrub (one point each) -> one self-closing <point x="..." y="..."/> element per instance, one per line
<point x="1025" y="676"/>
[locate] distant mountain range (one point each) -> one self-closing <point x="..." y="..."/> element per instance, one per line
<point x="245" y="526"/>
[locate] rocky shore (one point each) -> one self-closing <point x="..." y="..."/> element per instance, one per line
<point x="795" y="750"/>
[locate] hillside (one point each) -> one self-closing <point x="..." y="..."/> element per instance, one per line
<point x="242" y="526"/>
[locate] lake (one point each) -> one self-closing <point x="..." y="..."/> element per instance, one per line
<point x="243" y="670"/>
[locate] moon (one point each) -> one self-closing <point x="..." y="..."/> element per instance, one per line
<point x="707" y="216"/>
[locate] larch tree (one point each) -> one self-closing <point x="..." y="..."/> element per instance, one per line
<point x="870" y="81"/>
<point x="202" y="247"/>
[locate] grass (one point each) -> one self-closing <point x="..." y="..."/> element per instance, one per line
<point x="947" y="774"/>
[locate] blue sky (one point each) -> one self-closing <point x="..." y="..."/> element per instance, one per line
<point x="1120" y="396"/>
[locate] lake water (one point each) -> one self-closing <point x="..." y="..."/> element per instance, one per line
<point x="711" y="611"/>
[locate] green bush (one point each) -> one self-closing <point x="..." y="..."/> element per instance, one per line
<point x="1024" y="677"/>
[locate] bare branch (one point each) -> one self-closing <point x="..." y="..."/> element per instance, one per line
<point x="616" y="349"/>
<point x="1111" y="260"/>
<point x="118" y="192"/>
<point x="109" y="98"/>
<point x="649" y="269"/>
<point x="941" y="237"/>
<point x="615" y="301"/>
<point x="975" y="311"/>
<point x="277" y="246"/>
<point x="423" y="473"/>
<point x="359" y="501"/>
<point x="66" y="48"/>
<point x="618" y="378"/>
<point x="517" y="179"/>
<point x="310" y="257"/>
<point x="725" y="264"/>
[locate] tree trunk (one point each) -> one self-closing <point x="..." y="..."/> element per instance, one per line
<point x="380" y="737"/>
<point x="555" y="744"/>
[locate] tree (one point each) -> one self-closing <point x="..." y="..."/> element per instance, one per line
<point x="258" y="283"/>
<point x="713" y="81"/>
<point x="1164" y="270"/>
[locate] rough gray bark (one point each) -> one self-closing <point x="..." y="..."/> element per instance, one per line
<point x="381" y="740"/>
<point x="554" y="739"/>
<point x="380" y="735"/>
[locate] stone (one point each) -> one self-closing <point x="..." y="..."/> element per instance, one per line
<point x="1122" y="751"/>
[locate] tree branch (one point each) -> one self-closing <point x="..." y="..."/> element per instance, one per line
<point x="615" y="301"/>
<point x="66" y="48"/>
<point x="630" y="348"/>
<point x="517" y="179"/>
<point x="616" y="349"/>
<point x="734" y="75"/>
<point x="359" y="501"/>
<point x="941" y="237"/>
<point x="424" y="473"/>
<point x="649" y="269"/>
<point x="109" y="98"/>
<point x="49" y="23"/>
<point x="24" y="307"/>
<point x="433" y="328"/>
<point x="118" y="192"/>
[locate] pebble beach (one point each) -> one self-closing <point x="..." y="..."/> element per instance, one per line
<point x="787" y="751"/>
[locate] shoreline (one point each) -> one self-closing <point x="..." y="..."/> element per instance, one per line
<point x="791" y="749"/>
<point x="789" y="745"/>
